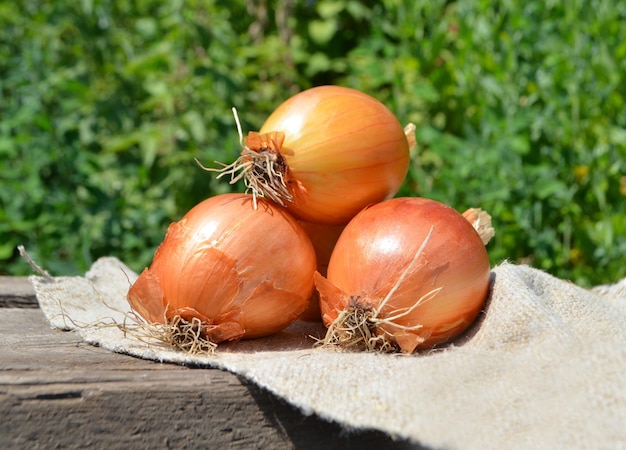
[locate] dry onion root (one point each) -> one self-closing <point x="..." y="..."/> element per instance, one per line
<point x="262" y="166"/>
<point x="405" y="274"/>
<point x="187" y="336"/>
<point x="319" y="143"/>
<point x="177" y="333"/>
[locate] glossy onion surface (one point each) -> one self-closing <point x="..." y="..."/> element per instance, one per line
<point x="451" y="276"/>
<point x="245" y="272"/>
<point x="344" y="150"/>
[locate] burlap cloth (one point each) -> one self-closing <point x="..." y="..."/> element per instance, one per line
<point x="543" y="367"/>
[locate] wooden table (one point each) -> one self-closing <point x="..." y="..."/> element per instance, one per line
<point x="57" y="392"/>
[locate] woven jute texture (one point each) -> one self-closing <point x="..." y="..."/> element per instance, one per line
<point x="544" y="366"/>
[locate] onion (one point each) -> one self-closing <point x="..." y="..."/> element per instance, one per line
<point x="241" y="272"/>
<point x="323" y="238"/>
<point x="325" y="154"/>
<point x="407" y="273"/>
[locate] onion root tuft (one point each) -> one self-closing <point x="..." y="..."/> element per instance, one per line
<point x="260" y="164"/>
<point x="263" y="171"/>
<point x="362" y="326"/>
<point x="177" y="333"/>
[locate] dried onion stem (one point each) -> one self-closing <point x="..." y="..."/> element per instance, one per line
<point x="481" y="221"/>
<point x="31" y="262"/>
<point x="409" y="132"/>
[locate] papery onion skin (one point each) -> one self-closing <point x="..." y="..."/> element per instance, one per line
<point x="343" y="149"/>
<point x="378" y="245"/>
<point x="242" y="271"/>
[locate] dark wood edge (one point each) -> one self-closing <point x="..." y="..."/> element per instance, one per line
<point x="17" y="292"/>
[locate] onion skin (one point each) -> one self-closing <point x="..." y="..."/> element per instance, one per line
<point x="245" y="272"/>
<point x="343" y="150"/>
<point x="323" y="238"/>
<point x="379" y="244"/>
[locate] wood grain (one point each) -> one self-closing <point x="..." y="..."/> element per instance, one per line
<point x="17" y="292"/>
<point x="56" y="392"/>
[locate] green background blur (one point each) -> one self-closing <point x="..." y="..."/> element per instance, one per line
<point x="519" y="105"/>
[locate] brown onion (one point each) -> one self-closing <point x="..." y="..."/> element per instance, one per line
<point x="325" y="154"/>
<point x="406" y="273"/>
<point x="240" y="271"/>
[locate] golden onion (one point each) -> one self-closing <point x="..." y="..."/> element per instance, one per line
<point x="406" y="273"/>
<point x="325" y="154"/>
<point x="240" y="271"/>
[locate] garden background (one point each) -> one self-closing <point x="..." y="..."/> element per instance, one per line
<point x="520" y="109"/>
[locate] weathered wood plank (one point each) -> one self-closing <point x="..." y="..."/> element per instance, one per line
<point x="17" y="292"/>
<point x="56" y="392"/>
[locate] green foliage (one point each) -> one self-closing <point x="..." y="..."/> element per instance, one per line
<point x="520" y="109"/>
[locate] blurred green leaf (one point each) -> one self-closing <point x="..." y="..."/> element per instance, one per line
<point x="519" y="107"/>
<point x="322" y="31"/>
